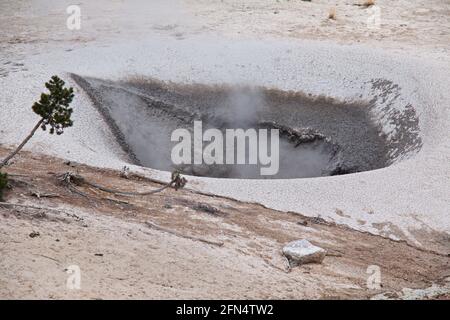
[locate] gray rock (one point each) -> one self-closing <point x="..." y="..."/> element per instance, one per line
<point x="302" y="251"/>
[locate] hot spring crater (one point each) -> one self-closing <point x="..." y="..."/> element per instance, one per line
<point x="318" y="135"/>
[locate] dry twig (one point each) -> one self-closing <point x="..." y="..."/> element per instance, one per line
<point x="176" y="233"/>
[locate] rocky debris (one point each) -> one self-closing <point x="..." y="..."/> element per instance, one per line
<point x="435" y="291"/>
<point x="125" y="172"/>
<point x="300" y="252"/>
<point x="34" y="234"/>
<point x="72" y="164"/>
<point x="201" y="207"/>
<point x="296" y="135"/>
<point x="40" y="195"/>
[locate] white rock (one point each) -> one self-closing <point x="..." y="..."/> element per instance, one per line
<point x="302" y="251"/>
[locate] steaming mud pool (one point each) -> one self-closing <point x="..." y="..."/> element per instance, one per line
<point x="318" y="137"/>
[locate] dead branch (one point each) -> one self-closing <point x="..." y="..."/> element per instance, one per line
<point x="47" y="257"/>
<point x="176" y="233"/>
<point x="24" y="206"/>
<point x="71" y="179"/>
<point x="39" y="195"/>
<point x="116" y="200"/>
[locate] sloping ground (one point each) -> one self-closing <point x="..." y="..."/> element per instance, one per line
<point x="182" y="244"/>
<point x="263" y="44"/>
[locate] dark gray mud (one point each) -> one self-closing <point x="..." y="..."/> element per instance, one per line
<point x="318" y="136"/>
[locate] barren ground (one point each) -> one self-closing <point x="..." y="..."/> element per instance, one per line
<point x="203" y="247"/>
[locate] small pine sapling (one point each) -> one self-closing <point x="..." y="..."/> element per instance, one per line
<point x="54" y="110"/>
